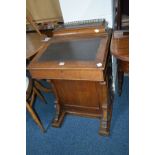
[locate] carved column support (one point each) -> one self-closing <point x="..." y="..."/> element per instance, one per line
<point x="104" y="125"/>
<point x="59" y="113"/>
<point x="57" y="110"/>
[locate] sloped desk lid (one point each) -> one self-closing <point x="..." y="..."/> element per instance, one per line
<point x="74" y="50"/>
<point x="77" y="52"/>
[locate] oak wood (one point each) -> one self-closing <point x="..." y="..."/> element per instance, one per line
<point x="76" y="30"/>
<point x="120" y="45"/>
<point x="68" y="74"/>
<point x="120" y="49"/>
<point x="81" y="87"/>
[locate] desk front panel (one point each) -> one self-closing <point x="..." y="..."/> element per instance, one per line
<point x="68" y="74"/>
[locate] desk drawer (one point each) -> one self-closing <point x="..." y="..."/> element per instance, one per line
<point x="68" y="74"/>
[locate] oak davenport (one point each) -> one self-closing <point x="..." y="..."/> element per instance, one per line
<point x="79" y="68"/>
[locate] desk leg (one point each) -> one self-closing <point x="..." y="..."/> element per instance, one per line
<point x="104" y="129"/>
<point x="59" y="113"/>
<point x="106" y="120"/>
<point x="58" y="120"/>
<point x="106" y="116"/>
<point x="59" y="116"/>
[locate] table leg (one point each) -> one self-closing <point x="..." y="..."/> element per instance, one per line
<point x="120" y="81"/>
<point x="120" y="76"/>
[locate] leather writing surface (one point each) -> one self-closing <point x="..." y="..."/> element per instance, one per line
<point x="84" y="50"/>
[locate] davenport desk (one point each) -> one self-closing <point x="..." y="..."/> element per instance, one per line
<point x="79" y="68"/>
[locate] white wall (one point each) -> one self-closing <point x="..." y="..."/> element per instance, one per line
<point x="77" y="10"/>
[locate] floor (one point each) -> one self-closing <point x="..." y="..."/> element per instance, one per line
<point x="79" y="135"/>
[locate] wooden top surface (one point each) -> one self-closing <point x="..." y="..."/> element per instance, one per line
<point x="33" y="43"/>
<point x="70" y="31"/>
<point x="120" y="45"/>
<point x="73" y="52"/>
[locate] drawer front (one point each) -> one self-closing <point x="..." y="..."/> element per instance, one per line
<point x="68" y="74"/>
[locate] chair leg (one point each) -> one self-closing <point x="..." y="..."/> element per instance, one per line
<point x="32" y="98"/>
<point x="42" y="88"/>
<point x="39" y="94"/>
<point x="35" y="117"/>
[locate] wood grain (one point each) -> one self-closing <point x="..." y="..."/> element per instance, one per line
<point x="120" y="46"/>
<point x="81" y="87"/>
<point x="120" y="49"/>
